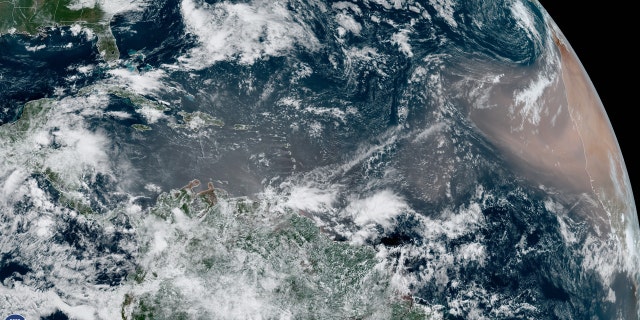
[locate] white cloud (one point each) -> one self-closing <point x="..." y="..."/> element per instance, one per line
<point x="111" y="7"/>
<point x="141" y="83"/>
<point x="445" y="10"/>
<point x="246" y="32"/>
<point x="401" y="39"/>
<point x="380" y="208"/>
<point x="348" y="23"/>
<point x="11" y="184"/>
<point x="311" y="199"/>
<point x="80" y="4"/>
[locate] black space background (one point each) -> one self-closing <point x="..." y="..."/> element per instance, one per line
<point x="602" y="34"/>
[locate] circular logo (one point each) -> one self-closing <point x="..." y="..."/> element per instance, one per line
<point x="15" y="317"/>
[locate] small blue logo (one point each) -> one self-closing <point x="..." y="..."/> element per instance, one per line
<point x="15" y="317"/>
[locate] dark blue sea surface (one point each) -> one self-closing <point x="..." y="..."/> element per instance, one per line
<point x="27" y="75"/>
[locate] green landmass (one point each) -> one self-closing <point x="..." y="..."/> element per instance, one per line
<point x="140" y="127"/>
<point x="34" y="114"/>
<point x="34" y="117"/>
<point x="241" y="127"/>
<point x="137" y="100"/>
<point x="30" y="16"/>
<point x="198" y="120"/>
<point x="281" y="257"/>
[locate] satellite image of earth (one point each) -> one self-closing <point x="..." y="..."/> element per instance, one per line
<point x="306" y="159"/>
